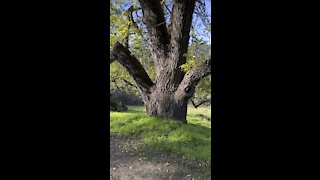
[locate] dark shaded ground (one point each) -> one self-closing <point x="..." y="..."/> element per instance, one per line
<point x="131" y="159"/>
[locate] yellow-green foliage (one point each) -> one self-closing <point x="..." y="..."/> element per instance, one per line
<point x="191" y="61"/>
<point x="120" y="23"/>
<point x="120" y="28"/>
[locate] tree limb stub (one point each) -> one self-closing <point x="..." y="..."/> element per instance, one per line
<point x="133" y="66"/>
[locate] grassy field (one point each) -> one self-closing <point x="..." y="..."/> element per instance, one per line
<point x="192" y="141"/>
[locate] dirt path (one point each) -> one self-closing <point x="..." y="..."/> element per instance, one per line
<point x="130" y="159"/>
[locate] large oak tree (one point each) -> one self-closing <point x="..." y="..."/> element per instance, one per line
<point x="168" y="94"/>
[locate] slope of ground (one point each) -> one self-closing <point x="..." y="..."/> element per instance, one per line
<point x="142" y="147"/>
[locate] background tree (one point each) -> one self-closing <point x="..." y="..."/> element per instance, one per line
<point x="150" y="39"/>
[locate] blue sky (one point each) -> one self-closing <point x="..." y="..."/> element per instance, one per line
<point x="208" y="9"/>
<point x="200" y="28"/>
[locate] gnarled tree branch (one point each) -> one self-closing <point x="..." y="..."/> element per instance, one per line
<point x="130" y="11"/>
<point x="199" y="104"/>
<point x="130" y="17"/>
<point x="129" y="83"/>
<point x="181" y="20"/>
<point x="114" y="80"/>
<point x="188" y="85"/>
<point x="153" y="17"/>
<point x="133" y="66"/>
<point x="182" y="11"/>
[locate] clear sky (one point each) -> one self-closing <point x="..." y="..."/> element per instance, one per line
<point x="201" y="27"/>
<point x="208" y="9"/>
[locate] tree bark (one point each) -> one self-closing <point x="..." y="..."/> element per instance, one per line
<point x="133" y="66"/>
<point x="163" y="104"/>
<point x="168" y="96"/>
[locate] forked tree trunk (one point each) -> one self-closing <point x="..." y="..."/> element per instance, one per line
<point x="168" y="96"/>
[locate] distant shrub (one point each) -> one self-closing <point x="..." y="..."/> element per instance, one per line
<point x="117" y="107"/>
<point x="125" y="98"/>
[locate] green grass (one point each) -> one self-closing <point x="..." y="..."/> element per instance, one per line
<point x="192" y="140"/>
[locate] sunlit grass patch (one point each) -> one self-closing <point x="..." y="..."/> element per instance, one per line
<point x="139" y="109"/>
<point x="204" y="110"/>
<point x="192" y="140"/>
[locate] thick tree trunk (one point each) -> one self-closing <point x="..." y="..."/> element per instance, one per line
<point x="168" y="97"/>
<point x="165" y="105"/>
